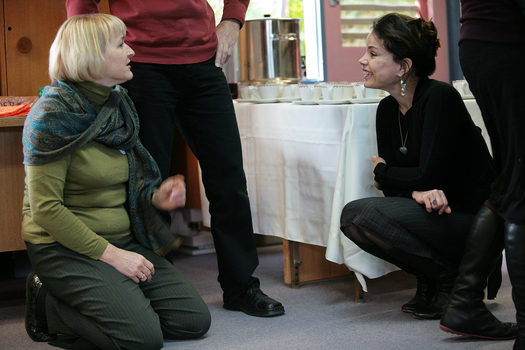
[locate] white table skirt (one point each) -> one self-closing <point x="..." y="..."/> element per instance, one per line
<point x="303" y="163"/>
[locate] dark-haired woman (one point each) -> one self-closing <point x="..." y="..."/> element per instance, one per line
<point x="433" y="167"/>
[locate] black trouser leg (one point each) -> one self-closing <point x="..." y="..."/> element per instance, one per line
<point x="196" y="99"/>
<point x="466" y="314"/>
<point x="361" y="238"/>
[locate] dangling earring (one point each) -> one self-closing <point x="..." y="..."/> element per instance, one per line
<point x="403" y="87"/>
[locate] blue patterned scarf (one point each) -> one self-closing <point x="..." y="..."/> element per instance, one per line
<point x="63" y="120"/>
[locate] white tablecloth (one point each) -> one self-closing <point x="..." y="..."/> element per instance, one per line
<point x="303" y="163"/>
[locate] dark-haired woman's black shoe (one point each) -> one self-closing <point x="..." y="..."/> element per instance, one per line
<point x="426" y="290"/>
<point x="35" y="327"/>
<point x="435" y="309"/>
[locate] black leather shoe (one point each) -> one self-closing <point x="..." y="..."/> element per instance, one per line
<point x="435" y="309"/>
<point x="254" y="302"/>
<point x="426" y="290"/>
<point x="36" y="329"/>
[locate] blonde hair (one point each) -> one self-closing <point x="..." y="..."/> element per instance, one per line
<point x="77" y="53"/>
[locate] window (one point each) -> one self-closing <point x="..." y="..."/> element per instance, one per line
<point x="357" y="17"/>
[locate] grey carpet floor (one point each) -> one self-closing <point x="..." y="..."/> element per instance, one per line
<point x="320" y="315"/>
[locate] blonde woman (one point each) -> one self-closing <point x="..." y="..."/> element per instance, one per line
<point x="93" y="197"/>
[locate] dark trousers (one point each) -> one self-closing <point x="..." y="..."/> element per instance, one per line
<point x="91" y="300"/>
<point x="196" y="99"/>
<point x="404" y="224"/>
<point x="495" y="73"/>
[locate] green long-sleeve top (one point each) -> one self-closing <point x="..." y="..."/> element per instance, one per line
<point x="79" y="200"/>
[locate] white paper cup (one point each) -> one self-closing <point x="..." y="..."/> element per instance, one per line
<point x="305" y="92"/>
<point x="326" y="91"/>
<point x="295" y="90"/>
<point x="339" y="92"/>
<point x="349" y="92"/>
<point x="315" y="93"/>
<point x="359" y="90"/>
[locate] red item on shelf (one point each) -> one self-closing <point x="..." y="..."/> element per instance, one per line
<point x="14" y="111"/>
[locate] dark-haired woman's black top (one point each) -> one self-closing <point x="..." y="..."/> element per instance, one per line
<point x="445" y="149"/>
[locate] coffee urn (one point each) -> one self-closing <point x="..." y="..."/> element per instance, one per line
<point x="268" y="51"/>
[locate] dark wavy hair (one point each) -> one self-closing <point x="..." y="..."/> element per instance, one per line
<point x="407" y="37"/>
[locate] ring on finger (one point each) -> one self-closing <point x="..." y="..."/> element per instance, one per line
<point x="143" y="276"/>
<point x="434" y="202"/>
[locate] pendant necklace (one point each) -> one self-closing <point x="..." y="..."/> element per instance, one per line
<point x="402" y="149"/>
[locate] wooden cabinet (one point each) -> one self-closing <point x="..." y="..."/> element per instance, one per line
<point x="11" y="184"/>
<point x="29" y="27"/>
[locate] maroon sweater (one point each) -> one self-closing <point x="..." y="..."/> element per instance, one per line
<point x="498" y="21"/>
<point x="167" y="31"/>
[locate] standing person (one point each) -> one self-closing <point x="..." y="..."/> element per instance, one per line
<point x="178" y="82"/>
<point x="92" y="203"/>
<point x="433" y="167"/>
<point x="492" y="47"/>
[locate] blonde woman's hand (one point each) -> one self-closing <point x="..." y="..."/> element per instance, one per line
<point x="433" y="200"/>
<point x="171" y="194"/>
<point x="130" y="264"/>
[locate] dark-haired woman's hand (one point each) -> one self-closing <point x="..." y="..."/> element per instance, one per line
<point x="376" y="160"/>
<point x="433" y="200"/>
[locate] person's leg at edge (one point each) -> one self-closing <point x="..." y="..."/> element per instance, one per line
<point x="514" y="248"/>
<point x="466" y="313"/>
